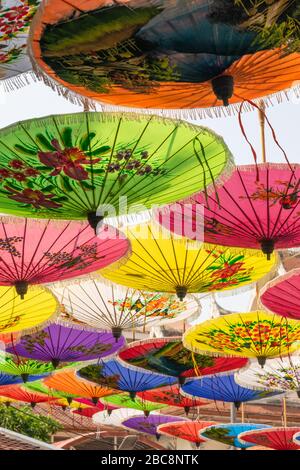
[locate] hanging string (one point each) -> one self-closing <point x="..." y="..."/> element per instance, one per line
<point x="284" y="412"/>
<point x="243" y="413"/>
<point x="261" y="116"/>
<point x="265" y="118"/>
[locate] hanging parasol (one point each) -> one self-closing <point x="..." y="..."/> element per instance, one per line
<point x="66" y="342"/>
<point x="9" y="379"/>
<point x="113" y="307"/>
<point x="89" y="411"/>
<point x="274" y="438"/>
<point x="37" y="252"/>
<point x="98" y="407"/>
<point x="20" y="393"/>
<point x="187" y="430"/>
<point x="278" y="374"/>
<point x="223" y="388"/>
<point x="25" y="369"/>
<point x="229" y="433"/>
<point x="149" y="425"/>
<point x="168" y="356"/>
<point x="38" y="307"/>
<point x="68" y="382"/>
<point x="162" y="56"/>
<point x="171" y="396"/>
<point x="15" y="20"/>
<point x="254" y="334"/>
<point x="161" y="261"/>
<point x="39" y="387"/>
<point x="257" y="207"/>
<point x="115" y="375"/>
<point x="123" y="400"/>
<point x="281" y="295"/>
<point x="89" y="165"/>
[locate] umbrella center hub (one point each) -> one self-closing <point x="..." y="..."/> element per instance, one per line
<point x="223" y="88"/>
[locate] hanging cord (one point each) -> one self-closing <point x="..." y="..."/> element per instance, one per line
<point x="284" y="412"/>
<point x="261" y="116"/>
<point x="204" y="173"/>
<point x="264" y="119"/>
<point x="14" y="348"/>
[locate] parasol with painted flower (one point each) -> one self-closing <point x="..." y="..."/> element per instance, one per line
<point x="169" y="357"/>
<point x="63" y="341"/>
<point x="278" y="374"/>
<point x="89" y="165"/>
<point x="156" y="55"/>
<point x="37" y="252"/>
<point x="116" y="308"/>
<point x="163" y="262"/>
<point x="256" y="334"/>
<point x="273" y="438"/>
<point x="229" y="433"/>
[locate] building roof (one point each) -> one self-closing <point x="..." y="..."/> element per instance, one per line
<point x="10" y="440"/>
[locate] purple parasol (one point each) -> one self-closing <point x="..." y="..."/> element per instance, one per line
<point x="66" y="342"/>
<point x="149" y="424"/>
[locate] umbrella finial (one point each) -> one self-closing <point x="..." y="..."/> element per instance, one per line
<point x="157" y="435"/>
<point x="132" y="395"/>
<point x="21" y="288"/>
<point x="95" y="400"/>
<point x="187" y="410"/>
<point x="94" y="220"/>
<point x="146" y="413"/>
<point x="25" y="377"/>
<point x="181" y="380"/>
<point x="261" y="361"/>
<point x="109" y="412"/>
<point x="181" y="292"/>
<point x="298" y="393"/>
<point x="223" y="88"/>
<point x="69" y="400"/>
<point x="237" y="404"/>
<point x="55" y="362"/>
<point x="117" y="332"/>
<point x="267" y="247"/>
<point x="32" y="404"/>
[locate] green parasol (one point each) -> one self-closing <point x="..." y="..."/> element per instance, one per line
<point x="79" y="166"/>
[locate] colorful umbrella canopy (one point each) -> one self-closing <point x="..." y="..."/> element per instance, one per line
<point x="187" y="430"/>
<point x="65" y="342"/>
<point x="20" y="393"/>
<point x="162" y="262"/>
<point x="229" y="433"/>
<point x="171" y="396"/>
<point x="15" y="19"/>
<point x="223" y="388"/>
<point x="64" y="403"/>
<point x="245" y="211"/>
<point x="278" y="374"/>
<point x="68" y="382"/>
<point x="100" y="406"/>
<point x="111" y="306"/>
<point x="25" y="369"/>
<point x="281" y="295"/>
<point x="171" y="55"/>
<point x="36" y="252"/>
<point x="89" y="411"/>
<point x="40" y="387"/>
<point x="254" y="334"/>
<point x="149" y="425"/>
<point x="168" y="356"/>
<point x="123" y="400"/>
<point x="16" y="314"/>
<point x="274" y="438"/>
<point x="8" y="379"/>
<point x="82" y="165"/>
<point x="115" y="375"/>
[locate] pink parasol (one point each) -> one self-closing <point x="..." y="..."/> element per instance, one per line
<point x="35" y="252"/>
<point x="281" y="295"/>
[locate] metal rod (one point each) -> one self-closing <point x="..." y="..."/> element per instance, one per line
<point x="261" y="114"/>
<point x="284" y="412"/>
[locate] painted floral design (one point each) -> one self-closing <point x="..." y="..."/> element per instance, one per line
<point x="259" y="336"/>
<point x="94" y="373"/>
<point x="221" y="435"/>
<point x="95" y="349"/>
<point x="16" y="20"/>
<point x="11" y="323"/>
<point x="227" y="271"/>
<point x="285" y="378"/>
<point x="65" y="260"/>
<point x="285" y="193"/>
<point x="151" y="306"/>
<point x="37" y="338"/>
<point x="8" y="244"/>
<point x="34" y="197"/>
<point x="11" y="54"/>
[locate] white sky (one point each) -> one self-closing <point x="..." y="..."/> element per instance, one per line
<point x="38" y="100"/>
